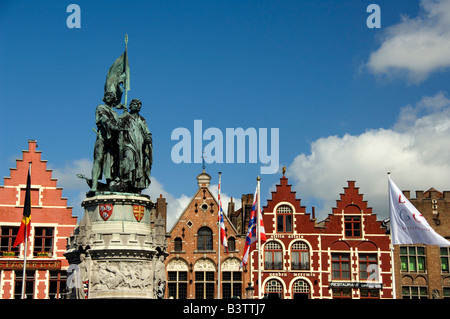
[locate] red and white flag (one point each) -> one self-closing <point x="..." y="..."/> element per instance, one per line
<point x="223" y="235"/>
<point x="252" y="238"/>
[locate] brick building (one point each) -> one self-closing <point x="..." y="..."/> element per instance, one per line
<point x="345" y="256"/>
<point x="192" y="264"/>
<point x="422" y="271"/>
<point x="51" y="223"/>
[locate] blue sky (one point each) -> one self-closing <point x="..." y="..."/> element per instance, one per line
<point x="350" y="102"/>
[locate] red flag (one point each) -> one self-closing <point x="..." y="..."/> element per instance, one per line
<point x="25" y="225"/>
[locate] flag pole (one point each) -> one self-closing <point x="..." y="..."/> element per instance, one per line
<point x="218" y="241"/>
<point x="126" y="78"/>
<point x="258" y="232"/>
<point x="394" y="290"/>
<point x="24" y="273"/>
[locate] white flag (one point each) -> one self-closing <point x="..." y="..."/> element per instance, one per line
<point x="408" y="226"/>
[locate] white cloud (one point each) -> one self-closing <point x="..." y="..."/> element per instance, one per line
<point x="416" y="47"/>
<point x="74" y="188"/>
<point x="175" y="206"/>
<point x="67" y="175"/>
<point x="415" y="151"/>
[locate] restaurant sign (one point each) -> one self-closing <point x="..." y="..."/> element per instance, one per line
<point x="367" y="284"/>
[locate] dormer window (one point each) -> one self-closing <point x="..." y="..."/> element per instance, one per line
<point x="352" y="226"/>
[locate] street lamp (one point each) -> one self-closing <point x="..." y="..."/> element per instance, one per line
<point x="249" y="291"/>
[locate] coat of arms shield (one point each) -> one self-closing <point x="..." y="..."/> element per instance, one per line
<point x="105" y="211"/>
<point x="138" y="212"/>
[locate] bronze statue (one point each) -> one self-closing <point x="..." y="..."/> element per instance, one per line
<point x="106" y="149"/>
<point x="123" y="151"/>
<point x="136" y="149"/>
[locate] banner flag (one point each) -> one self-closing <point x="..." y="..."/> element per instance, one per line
<point x="408" y="226"/>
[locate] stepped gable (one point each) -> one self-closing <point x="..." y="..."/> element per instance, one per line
<point x="351" y="201"/>
<point x="284" y="193"/>
<point x="44" y="190"/>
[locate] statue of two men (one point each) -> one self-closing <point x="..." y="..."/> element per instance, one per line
<point x="123" y="151"/>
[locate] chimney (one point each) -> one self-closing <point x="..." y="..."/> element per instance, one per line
<point x="231" y="208"/>
<point x="161" y="207"/>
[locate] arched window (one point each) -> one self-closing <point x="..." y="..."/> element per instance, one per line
<point x="284" y="219"/>
<point x="205" y="278"/>
<point x="177" y="278"/>
<point x="274" y="289"/>
<point x="178" y="243"/>
<point x="301" y="289"/>
<point x="273" y="256"/>
<point x="300" y="256"/>
<point x="204" y="239"/>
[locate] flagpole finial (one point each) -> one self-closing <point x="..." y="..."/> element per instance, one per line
<point x="258" y="178"/>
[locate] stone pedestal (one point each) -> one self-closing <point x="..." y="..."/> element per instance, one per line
<point x="117" y="251"/>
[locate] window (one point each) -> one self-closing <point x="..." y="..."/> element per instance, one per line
<point x="231" y="284"/>
<point x="300" y="256"/>
<point x="352" y="226"/>
<point x="412" y="259"/>
<point x="204" y="240"/>
<point x="414" y="292"/>
<point x="274" y="289"/>
<point x="370" y="293"/>
<point x="57" y="285"/>
<point x="231" y="244"/>
<point x="177" y="284"/>
<point x="178" y="244"/>
<point x="284" y="219"/>
<point x="342" y="293"/>
<point x="340" y="264"/>
<point x="43" y="241"/>
<point x="29" y="284"/>
<point x="8" y="236"/>
<point x="446" y="292"/>
<point x="273" y="256"/>
<point x="301" y="289"/>
<point x="368" y="267"/>
<point x="445" y="259"/>
<point x="204" y="285"/>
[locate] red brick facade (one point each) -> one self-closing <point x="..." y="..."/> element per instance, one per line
<point x="345" y="256"/>
<point x="192" y="264"/>
<point x="52" y="222"/>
